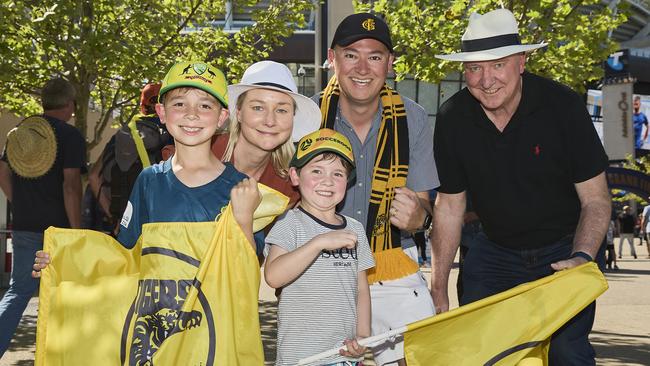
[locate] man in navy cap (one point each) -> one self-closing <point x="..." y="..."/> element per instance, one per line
<point x="392" y="143"/>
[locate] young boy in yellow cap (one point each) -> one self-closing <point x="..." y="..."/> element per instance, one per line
<point x="193" y="185"/>
<point x="320" y="258"/>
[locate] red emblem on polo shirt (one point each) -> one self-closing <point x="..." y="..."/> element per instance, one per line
<point x="537" y="150"/>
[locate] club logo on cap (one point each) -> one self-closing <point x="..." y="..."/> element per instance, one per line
<point x="200" y="68"/>
<point x="305" y="144"/>
<point x="368" y="24"/>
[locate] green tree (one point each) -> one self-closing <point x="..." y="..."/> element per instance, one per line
<point x="110" y="48"/>
<point x="576" y="31"/>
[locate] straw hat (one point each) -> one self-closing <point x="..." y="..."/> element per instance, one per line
<point x="31" y="147"/>
<point x="275" y="76"/>
<point x="490" y="36"/>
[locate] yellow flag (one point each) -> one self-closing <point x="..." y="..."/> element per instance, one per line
<point x="185" y="295"/>
<point x="84" y="297"/>
<point x="510" y="328"/>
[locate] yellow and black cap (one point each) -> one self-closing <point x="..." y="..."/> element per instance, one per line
<point x="360" y="26"/>
<point x="196" y="74"/>
<point x="320" y="141"/>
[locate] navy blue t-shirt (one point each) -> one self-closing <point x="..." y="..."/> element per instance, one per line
<point x="158" y="196"/>
<point x="37" y="203"/>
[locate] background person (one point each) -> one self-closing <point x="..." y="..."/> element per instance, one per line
<point x="645" y="226"/>
<point x="113" y="175"/>
<point x="535" y="178"/>
<point x="40" y="173"/>
<point x="640" y="121"/>
<point x="388" y="133"/>
<point x="626" y="222"/>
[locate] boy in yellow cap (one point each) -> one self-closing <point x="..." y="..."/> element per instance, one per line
<point x="320" y="258"/>
<point x="192" y="185"/>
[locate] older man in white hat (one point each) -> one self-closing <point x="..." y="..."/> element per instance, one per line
<point x="525" y="151"/>
<point x="40" y="173"/>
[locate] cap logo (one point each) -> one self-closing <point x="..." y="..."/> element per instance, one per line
<point x="200" y="68"/>
<point x="368" y="24"/>
<point x="305" y="144"/>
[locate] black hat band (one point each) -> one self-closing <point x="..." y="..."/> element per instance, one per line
<point x="490" y="43"/>
<point x="274" y="85"/>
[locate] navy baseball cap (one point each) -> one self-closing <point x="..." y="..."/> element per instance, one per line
<point x="360" y="26"/>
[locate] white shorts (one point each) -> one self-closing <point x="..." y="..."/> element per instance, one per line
<point x="394" y="304"/>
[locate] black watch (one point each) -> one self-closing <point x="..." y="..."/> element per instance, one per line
<point x="428" y="219"/>
<point x="583" y="255"/>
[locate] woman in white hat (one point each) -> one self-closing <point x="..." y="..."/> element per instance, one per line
<point x="266" y="116"/>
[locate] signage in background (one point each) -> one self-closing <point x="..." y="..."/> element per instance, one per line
<point x="617" y="64"/>
<point x="595" y="108"/>
<point x="618" y="132"/>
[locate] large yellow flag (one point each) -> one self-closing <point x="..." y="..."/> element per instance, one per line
<point x="185" y="295"/>
<point x="511" y="328"/>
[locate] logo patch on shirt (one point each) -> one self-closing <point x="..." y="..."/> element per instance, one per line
<point x="537" y="150"/>
<point x="128" y="213"/>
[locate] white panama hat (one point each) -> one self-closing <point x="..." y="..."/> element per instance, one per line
<point x="275" y="76"/>
<point x="490" y="36"/>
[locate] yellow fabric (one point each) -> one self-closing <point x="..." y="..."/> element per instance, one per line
<point x="139" y="144"/>
<point x="85" y="294"/>
<point x="394" y="264"/>
<point x="185" y="295"/>
<point x="486" y="332"/>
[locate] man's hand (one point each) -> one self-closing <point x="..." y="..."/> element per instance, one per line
<point x="440" y="300"/>
<point x="406" y="212"/>
<point x="568" y="263"/>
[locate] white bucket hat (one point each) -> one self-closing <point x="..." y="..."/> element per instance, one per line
<point x="275" y="76"/>
<point x="490" y="36"/>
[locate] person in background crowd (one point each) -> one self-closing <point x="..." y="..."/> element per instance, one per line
<point x="640" y="121"/>
<point x="645" y="226"/>
<point x="113" y="175"/>
<point x="625" y="225"/>
<point x="40" y="173"/>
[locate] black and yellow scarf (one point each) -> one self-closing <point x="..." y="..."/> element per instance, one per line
<point x="390" y="171"/>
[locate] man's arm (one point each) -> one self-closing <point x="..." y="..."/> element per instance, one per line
<point x="95" y="180"/>
<point x="72" y="195"/>
<point x="409" y="209"/>
<point x="595" y="212"/>
<point x="5" y="179"/>
<point x="448" y="213"/>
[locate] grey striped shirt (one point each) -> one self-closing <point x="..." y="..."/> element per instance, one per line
<point x="318" y="310"/>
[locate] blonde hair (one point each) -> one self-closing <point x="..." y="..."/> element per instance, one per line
<point x="280" y="157"/>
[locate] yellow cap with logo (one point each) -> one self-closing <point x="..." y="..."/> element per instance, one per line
<point x="320" y="141"/>
<point x="196" y="74"/>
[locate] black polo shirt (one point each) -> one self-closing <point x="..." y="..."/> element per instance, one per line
<point x="520" y="181"/>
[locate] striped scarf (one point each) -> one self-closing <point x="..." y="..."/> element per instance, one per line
<point x="390" y="171"/>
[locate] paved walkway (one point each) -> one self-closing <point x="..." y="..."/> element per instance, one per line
<point x="621" y="334"/>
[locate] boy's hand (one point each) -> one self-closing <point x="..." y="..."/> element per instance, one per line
<point x="336" y="239"/>
<point x="245" y="197"/>
<point x="40" y="262"/>
<point x="354" y="350"/>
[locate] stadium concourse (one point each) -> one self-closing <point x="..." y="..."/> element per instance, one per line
<point x="620" y="336"/>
